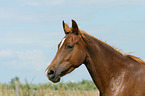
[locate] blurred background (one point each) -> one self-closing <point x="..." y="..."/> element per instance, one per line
<point x="31" y="29"/>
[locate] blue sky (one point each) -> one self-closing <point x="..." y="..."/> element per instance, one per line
<point x="31" y="29"/>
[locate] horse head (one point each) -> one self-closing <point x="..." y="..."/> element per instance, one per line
<point x="70" y="55"/>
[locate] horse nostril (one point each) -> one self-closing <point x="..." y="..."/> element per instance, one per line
<point x="51" y="74"/>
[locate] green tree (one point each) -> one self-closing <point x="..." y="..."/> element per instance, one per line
<point x="12" y="82"/>
<point x="14" y="79"/>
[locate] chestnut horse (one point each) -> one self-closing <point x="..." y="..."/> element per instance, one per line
<point x="114" y="73"/>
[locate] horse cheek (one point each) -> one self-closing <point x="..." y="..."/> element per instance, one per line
<point x="77" y="58"/>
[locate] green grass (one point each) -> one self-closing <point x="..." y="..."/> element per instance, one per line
<point x="83" y="88"/>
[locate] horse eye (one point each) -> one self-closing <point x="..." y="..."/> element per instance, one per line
<point x="69" y="46"/>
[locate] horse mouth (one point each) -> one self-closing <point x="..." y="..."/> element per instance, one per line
<point x="55" y="75"/>
<point x="55" y="80"/>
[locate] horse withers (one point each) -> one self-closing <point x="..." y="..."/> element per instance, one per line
<point x="114" y="73"/>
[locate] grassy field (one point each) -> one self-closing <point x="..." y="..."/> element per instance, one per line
<point x="49" y="92"/>
<point x="83" y="88"/>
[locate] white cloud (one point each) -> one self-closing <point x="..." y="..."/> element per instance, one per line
<point x="30" y="39"/>
<point x="31" y="59"/>
<point x="42" y="2"/>
<point x="81" y="2"/>
<point x="18" y="16"/>
<point x="112" y="2"/>
<point x="49" y="11"/>
<point x="5" y="53"/>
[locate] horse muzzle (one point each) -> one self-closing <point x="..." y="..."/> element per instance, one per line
<point x="51" y="74"/>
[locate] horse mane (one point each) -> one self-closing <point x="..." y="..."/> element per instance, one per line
<point x="137" y="59"/>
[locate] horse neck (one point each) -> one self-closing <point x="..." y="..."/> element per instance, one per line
<point x="102" y="62"/>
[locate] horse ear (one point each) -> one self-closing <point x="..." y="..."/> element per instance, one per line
<point x="66" y="28"/>
<point x="75" y="28"/>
